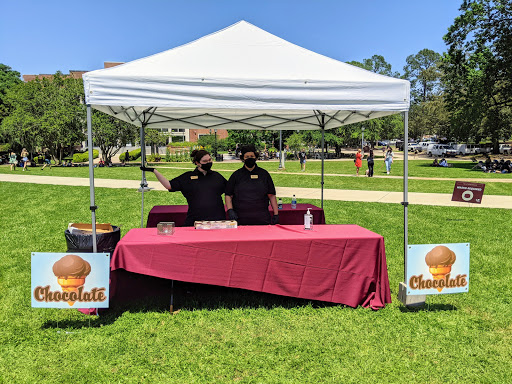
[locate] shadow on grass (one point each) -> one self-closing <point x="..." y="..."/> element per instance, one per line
<point x="152" y="294"/>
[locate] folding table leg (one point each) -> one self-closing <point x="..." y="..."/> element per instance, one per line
<point x="171" y="309"/>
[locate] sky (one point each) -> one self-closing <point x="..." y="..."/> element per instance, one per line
<point x="43" y="37"/>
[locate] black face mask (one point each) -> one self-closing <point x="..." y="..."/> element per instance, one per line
<point x="250" y="162"/>
<point x="206" y="167"/>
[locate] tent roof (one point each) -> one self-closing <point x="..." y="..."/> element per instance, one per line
<point x="243" y="77"/>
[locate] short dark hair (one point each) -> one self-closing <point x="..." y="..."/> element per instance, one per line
<point x="248" y="148"/>
<point x="197" y="155"/>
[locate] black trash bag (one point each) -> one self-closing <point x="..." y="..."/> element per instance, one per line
<point x="105" y="242"/>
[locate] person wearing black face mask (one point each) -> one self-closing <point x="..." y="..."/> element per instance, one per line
<point x="249" y="191"/>
<point x="202" y="187"/>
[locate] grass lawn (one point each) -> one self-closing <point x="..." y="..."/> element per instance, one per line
<point x="418" y="168"/>
<point x="224" y="336"/>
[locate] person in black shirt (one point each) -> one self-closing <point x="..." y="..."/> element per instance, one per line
<point x="249" y="191"/>
<point x="202" y="187"/>
<point x="302" y="160"/>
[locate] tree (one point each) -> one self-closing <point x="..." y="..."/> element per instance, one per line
<point x="46" y="113"/>
<point x="111" y="134"/>
<point x="8" y="79"/>
<point x="423" y="71"/>
<point x="376" y="64"/>
<point x="431" y="117"/>
<point x="478" y="69"/>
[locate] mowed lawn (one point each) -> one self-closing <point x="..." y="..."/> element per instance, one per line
<point x="226" y="336"/>
<point x="336" y="175"/>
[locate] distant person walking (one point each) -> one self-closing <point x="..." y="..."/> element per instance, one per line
<point x="12" y="160"/>
<point x="370" y="163"/>
<point x="47" y="161"/>
<point x="388" y="160"/>
<point x="24" y="158"/>
<point x="358" y="162"/>
<point x="302" y="160"/>
<point x="126" y="156"/>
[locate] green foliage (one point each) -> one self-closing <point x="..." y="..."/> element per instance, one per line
<point x="46" y="113"/>
<point x="376" y="64"/>
<point x="153" y="158"/>
<point x="424" y="73"/>
<point x="8" y="79"/>
<point x="84" y="157"/>
<point x="5" y="147"/>
<point x="181" y="144"/>
<point x="296" y="141"/>
<point x="111" y="134"/>
<point x="478" y="70"/>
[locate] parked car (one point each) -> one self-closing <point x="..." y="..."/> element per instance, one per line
<point x="505" y="149"/>
<point x="423" y="145"/>
<point x="441" y="150"/>
<point x="487" y="148"/>
<point x="467" y="149"/>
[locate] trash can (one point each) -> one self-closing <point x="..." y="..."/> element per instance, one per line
<point x="82" y="242"/>
<point x="219" y="157"/>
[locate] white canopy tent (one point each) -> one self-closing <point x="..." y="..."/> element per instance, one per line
<point x="242" y="77"/>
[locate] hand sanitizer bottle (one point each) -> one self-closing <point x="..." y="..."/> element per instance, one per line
<point x="280" y="203"/>
<point x="294" y="202"/>
<point x="308" y="220"/>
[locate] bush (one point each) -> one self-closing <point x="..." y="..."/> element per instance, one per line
<point x="134" y="155"/>
<point x="5" y="147"/>
<point x="84" y="157"/>
<point x="290" y="156"/>
<point x="153" y="158"/>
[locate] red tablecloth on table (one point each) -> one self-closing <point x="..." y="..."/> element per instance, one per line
<point x="337" y="263"/>
<point x="287" y="215"/>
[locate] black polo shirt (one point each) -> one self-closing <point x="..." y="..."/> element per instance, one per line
<point x="250" y="190"/>
<point x="203" y="194"/>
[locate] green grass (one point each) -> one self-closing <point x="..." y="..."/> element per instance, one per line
<point x="286" y="178"/>
<point x="225" y="336"/>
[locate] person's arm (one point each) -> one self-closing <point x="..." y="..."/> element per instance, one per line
<point x="161" y="178"/>
<point x="273" y="203"/>
<point x="229" y="201"/>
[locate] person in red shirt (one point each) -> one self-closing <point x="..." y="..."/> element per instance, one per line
<point x="358" y="161"/>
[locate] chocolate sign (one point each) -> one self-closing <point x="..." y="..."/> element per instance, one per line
<point x="468" y="192"/>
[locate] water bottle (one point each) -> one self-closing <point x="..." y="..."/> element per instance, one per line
<point x="294" y="202"/>
<point x="280" y="203"/>
<point x="308" y="220"/>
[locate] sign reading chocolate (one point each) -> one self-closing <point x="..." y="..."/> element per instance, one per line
<point x="468" y="192"/>
<point x="64" y="280"/>
<point x="437" y="268"/>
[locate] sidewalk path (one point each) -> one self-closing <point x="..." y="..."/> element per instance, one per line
<point x="415" y="198"/>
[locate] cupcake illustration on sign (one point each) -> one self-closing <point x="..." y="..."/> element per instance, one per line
<point x="71" y="272"/>
<point x="440" y="260"/>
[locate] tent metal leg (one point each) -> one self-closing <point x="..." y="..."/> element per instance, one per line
<point x="143" y="183"/>
<point x="323" y="145"/>
<point x="406" y="299"/>
<point x="91" y="178"/>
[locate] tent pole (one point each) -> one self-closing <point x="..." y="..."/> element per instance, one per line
<point x="143" y="182"/>
<point x="323" y="145"/>
<point x="281" y="162"/>
<point x="91" y="179"/>
<point x="405" y="203"/>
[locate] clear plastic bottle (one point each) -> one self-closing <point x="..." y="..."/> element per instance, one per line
<point x="308" y="220"/>
<point x="294" y="202"/>
<point x="280" y="203"/>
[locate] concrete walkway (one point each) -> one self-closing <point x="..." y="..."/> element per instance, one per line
<point x="438" y="199"/>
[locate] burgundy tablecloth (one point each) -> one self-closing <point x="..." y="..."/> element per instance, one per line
<point x="337" y="263"/>
<point x="287" y="215"/>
